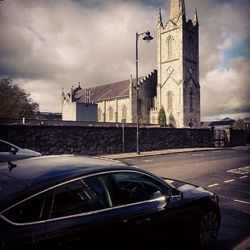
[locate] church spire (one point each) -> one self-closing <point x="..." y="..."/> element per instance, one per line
<point x="160" y="19"/>
<point x="195" y="19"/>
<point x="177" y="7"/>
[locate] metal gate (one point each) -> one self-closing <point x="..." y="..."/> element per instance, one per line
<point x="220" y="137"/>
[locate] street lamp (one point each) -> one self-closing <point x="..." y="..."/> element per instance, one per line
<point x="147" y="37"/>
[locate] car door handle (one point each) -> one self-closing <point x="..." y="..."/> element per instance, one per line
<point x="142" y="221"/>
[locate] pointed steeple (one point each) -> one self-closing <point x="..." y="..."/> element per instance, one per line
<point x="177" y="7"/>
<point x="195" y="19"/>
<point x="160" y="19"/>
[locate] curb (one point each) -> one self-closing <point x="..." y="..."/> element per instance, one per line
<point x="158" y="152"/>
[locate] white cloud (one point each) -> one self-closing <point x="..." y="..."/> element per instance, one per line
<point x="227" y="90"/>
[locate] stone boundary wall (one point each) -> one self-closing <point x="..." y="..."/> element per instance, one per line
<point x="238" y="137"/>
<point x="51" y="139"/>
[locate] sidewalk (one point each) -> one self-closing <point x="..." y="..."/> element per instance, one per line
<point x="157" y="152"/>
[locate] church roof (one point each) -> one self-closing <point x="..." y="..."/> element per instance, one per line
<point x="103" y="92"/>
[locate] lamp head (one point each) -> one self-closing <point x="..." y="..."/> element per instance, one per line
<point x="147" y="37"/>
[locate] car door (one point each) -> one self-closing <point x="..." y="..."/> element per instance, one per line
<point x="145" y="199"/>
<point x="82" y="214"/>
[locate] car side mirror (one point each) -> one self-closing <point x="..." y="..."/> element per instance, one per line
<point x="176" y="194"/>
<point x="13" y="150"/>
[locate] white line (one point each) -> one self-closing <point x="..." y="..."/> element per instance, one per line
<point x="243" y="177"/>
<point x="231" y="180"/>
<point x="240" y="170"/>
<point x="197" y="154"/>
<point x="244" y="202"/>
<point x="147" y="160"/>
<point x="213" y="185"/>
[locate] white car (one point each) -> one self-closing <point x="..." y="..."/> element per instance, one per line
<point x="11" y="152"/>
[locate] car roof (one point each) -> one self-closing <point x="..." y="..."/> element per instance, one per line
<point x="27" y="176"/>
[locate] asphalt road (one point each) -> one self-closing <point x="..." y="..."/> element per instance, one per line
<point x="225" y="172"/>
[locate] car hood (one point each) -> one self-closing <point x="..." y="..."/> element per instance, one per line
<point x="28" y="152"/>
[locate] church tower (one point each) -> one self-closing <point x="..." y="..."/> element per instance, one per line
<point x="178" y="89"/>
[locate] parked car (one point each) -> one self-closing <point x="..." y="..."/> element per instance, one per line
<point x="76" y="201"/>
<point x="11" y="152"/>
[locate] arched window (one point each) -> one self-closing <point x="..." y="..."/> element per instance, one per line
<point x="124" y="112"/>
<point x="170" y="101"/>
<point x="191" y="100"/>
<point x="99" y="115"/>
<point x="111" y="113"/>
<point x="170" y="46"/>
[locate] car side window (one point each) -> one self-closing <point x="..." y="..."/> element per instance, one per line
<point x="73" y="198"/>
<point x="137" y="187"/>
<point x="68" y="199"/>
<point x="31" y="210"/>
<point x="105" y="189"/>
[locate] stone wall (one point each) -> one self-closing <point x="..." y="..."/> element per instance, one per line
<point x="49" y="139"/>
<point x="237" y="137"/>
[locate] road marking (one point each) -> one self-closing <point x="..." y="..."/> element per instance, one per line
<point x="227" y="181"/>
<point x="241" y="170"/>
<point x="243" y="177"/>
<point x="244" y="202"/>
<point x="197" y="154"/>
<point x="147" y="160"/>
<point x="213" y="185"/>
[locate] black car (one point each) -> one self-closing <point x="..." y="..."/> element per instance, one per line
<point x="74" y="202"/>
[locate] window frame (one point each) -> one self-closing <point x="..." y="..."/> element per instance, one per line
<point x="110" y="114"/>
<point x="170" y="40"/>
<point x="124" y="112"/>
<point x="99" y="115"/>
<point x="170" y="100"/>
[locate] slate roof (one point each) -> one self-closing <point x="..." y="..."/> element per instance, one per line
<point x="103" y="92"/>
<point x="222" y="123"/>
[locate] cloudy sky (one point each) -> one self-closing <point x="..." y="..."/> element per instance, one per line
<point x="47" y="45"/>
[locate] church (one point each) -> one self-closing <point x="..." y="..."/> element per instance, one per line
<point x="173" y="86"/>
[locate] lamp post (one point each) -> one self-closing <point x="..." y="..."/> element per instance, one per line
<point x="147" y="37"/>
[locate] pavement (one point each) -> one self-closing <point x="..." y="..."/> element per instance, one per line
<point x="156" y="152"/>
